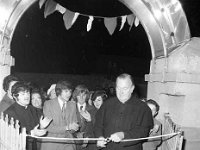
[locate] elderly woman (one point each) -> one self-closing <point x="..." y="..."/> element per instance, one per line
<point x="36" y="101"/>
<point x="51" y="93"/>
<point x="85" y="113"/>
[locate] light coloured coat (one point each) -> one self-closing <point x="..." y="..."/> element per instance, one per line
<point x="57" y="127"/>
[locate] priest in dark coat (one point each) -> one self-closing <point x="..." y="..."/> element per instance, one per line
<point x="26" y="114"/>
<point x="123" y="117"/>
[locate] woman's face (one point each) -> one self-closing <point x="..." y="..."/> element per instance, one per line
<point x="52" y="94"/>
<point x="36" y="100"/>
<point x="98" y="102"/>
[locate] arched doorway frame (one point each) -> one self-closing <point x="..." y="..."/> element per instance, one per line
<point x="164" y="22"/>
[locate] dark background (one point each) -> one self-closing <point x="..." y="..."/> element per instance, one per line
<point x="42" y="45"/>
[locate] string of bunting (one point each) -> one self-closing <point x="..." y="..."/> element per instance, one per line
<point x="69" y="17"/>
<point x="96" y="139"/>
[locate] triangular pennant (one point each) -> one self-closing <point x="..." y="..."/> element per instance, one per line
<point x="75" y="17"/>
<point x="130" y="20"/>
<point x="89" y="24"/>
<point x="123" y="20"/>
<point x="137" y="22"/>
<point x="68" y="17"/>
<point x="60" y="8"/>
<point x="50" y="7"/>
<point x="41" y="3"/>
<point x="110" y="24"/>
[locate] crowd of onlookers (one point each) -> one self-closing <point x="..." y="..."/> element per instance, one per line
<point x="63" y="111"/>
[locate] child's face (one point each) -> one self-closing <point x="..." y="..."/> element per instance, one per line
<point x="153" y="109"/>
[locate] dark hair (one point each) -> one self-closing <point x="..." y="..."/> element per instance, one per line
<point x="7" y="80"/>
<point x="124" y="76"/>
<point x="80" y="89"/>
<point x="150" y="101"/>
<point x="99" y="93"/>
<point x="63" y="85"/>
<point x="36" y="90"/>
<point x="19" y="87"/>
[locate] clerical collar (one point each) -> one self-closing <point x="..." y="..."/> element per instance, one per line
<point x="79" y="106"/>
<point x="25" y="107"/>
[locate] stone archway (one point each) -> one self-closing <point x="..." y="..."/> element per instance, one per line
<point x="159" y="19"/>
<point x="175" y="61"/>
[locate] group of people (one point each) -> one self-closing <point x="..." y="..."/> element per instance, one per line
<point x="79" y="113"/>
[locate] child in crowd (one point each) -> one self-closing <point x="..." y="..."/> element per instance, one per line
<point x="152" y="144"/>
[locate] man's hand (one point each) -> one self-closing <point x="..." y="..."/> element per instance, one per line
<point x="101" y="142"/>
<point x="44" y="122"/>
<point x="117" y="137"/>
<point x="38" y="132"/>
<point x="86" y="115"/>
<point x="73" y="126"/>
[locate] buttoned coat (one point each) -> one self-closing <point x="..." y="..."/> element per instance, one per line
<point x="57" y="127"/>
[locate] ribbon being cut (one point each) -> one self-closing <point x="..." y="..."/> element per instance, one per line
<point x="170" y="135"/>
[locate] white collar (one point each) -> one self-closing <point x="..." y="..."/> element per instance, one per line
<point x="60" y="102"/>
<point x="79" y="105"/>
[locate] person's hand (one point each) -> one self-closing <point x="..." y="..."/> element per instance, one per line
<point x="101" y="142"/>
<point x="81" y="135"/>
<point x="155" y="129"/>
<point x="117" y="137"/>
<point x="86" y="115"/>
<point x="73" y="126"/>
<point x="85" y="143"/>
<point x="44" y="122"/>
<point x="38" y="132"/>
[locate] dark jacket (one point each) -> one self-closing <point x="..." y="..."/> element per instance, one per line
<point x="134" y="118"/>
<point x="28" y="118"/>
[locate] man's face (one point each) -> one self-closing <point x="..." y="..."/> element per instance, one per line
<point x="65" y="94"/>
<point x="81" y="98"/>
<point x="124" y="89"/>
<point x="23" y="98"/>
<point x="10" y="88"/>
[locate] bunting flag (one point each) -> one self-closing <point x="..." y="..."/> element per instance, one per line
<point x="41" y="3"/>
<point x="123" y="21"/>
<point x="137" y="22"/>
<point x="60" y="8"/>
<point x="89" y="24"/>
<point x="110" y="24"/>
<point x="130" y="20"/>
<point x="75" y="17"/>
<point x="50" y="7"/>
<point x="68" y="18"/>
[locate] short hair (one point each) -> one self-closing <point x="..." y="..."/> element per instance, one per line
<point x="99" y="93"/>
<point x="7" y="80"/>
<point x="79" y="90"/>
<point x="19" y="87"/>
<point x="63" y="85"/>
<point x="124" y="76"/>
<point x="150" y="101"/>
